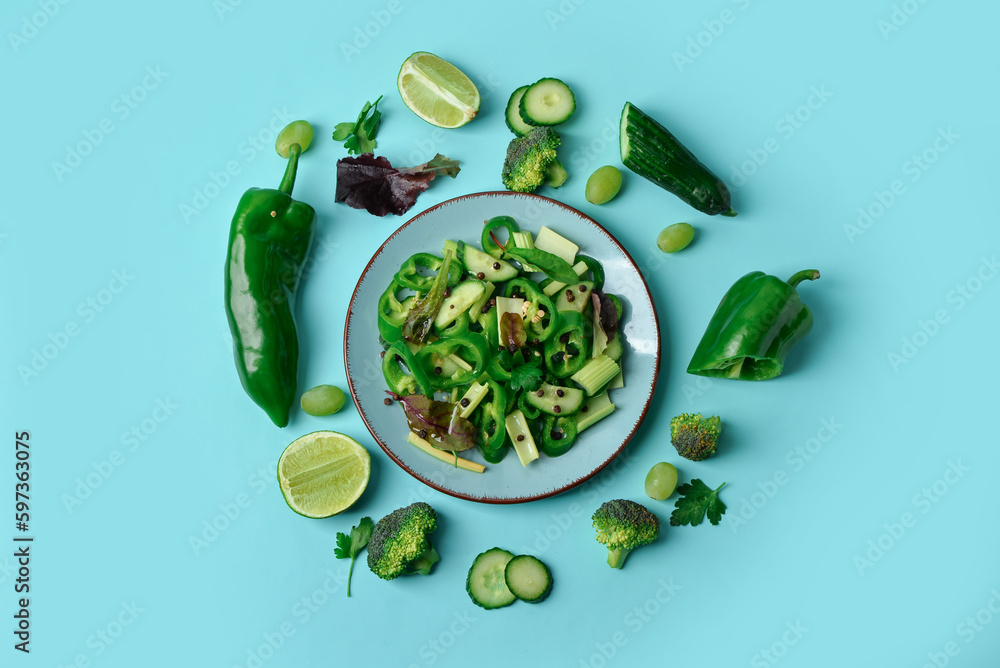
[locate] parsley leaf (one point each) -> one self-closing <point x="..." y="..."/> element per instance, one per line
<point x="526" y="376"/>
<point x="349" y="547"/>
<point x="697" y="499"/>
<point x="360" y="135"/>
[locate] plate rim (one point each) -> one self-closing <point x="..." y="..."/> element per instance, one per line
<point x="519" y="499"/>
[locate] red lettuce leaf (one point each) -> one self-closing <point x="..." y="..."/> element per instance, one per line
<point x="606" y="312"/>
<point x="371" y="183"/>
<point x="445" y="429"/>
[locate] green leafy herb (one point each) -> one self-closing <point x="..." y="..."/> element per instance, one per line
<point x="349" y="547"/>
<point x="526" y="376"/>
<point x="697" y="499"/>
<point x="549" y="264"/>
<point x="360" y="135"/>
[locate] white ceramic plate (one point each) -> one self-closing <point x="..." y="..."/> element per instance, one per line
<point x="507" y="482"/>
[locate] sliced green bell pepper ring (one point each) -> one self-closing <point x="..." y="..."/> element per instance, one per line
<point x="558" y="435"/>
<point x="409" y="277"/>
<point x="490" y="246"/>
<point x="491" y="327"/>
<point x="415" y="382"/>
<point x="530" y="411"/>
<point x="755" y="326"/>
<point x="459" y="325"/>
<point x="492" y="436"/>
<point x="542" y="328"/>
<point x="269" y="240"/>
<point x="496" y="371"/>
<point x="566" y="351"/>
<point x="476" y="352"/>
<point x="392" y="313"/>
<point x="596" y="271"/>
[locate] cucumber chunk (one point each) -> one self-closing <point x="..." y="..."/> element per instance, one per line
<point x="487" y="582"/>
<point x="458" y="302"/>
<point x="575" y="297"/>
<point x="547" y="102"/>
<point x="477" y="262"/>
<point x="513" y="114"/>
<point x="528" y="578"/>
<point x="555" y="400"/>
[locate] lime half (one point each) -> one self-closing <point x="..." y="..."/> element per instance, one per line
<point x="437" y="91"/>
<point x="323" y="473"/>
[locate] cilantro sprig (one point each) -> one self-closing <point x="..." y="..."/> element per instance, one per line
<point x="360" y="135"/>
<point x="349" y="547"/>
<point x="695" y="502"/>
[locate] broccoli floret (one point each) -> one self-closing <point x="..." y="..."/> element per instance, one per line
<point x="527" y="158"/>
<point x="623" y="526"/>
<point x="399" y="544"/>
<point x="695" y="437"/>
<point x="555" y="174"/>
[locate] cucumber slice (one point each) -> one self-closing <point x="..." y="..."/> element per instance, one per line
<point x="556" y="400"/>
<point x="513" y="113"/>
<point x="547" y="102"/>
<point x="493" y="270"/>
<point x="461" y="299"/>
<point x="528" y="578"/>
<point x="487" y="583"/>
<point x="573" y="298"/>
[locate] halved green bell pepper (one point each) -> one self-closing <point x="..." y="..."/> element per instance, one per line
<point x="755" y="326"/>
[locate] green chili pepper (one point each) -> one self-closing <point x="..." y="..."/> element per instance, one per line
<point x="414" y="382"/>
<point x="269" y="241"/>
<point x="754" y="328"/>
<point x="477" y="353"/>
<point x="566" y="350"/>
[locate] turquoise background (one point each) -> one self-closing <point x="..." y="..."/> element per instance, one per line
<point x="847" y="562"/>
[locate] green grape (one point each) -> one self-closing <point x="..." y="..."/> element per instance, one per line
<point x="661" y="481"/>
<point x="675" y="237"/>
<point x="296" y="132"/>
<point x="323" y="400"/>
<point x="604" y="184"/>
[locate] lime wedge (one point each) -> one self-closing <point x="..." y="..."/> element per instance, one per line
<point x="323" y="473"/>
<point x="437" y="91"/>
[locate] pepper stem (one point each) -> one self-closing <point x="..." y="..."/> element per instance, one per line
<point x="288" y="180"/>
<point x="804" y="275"/>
